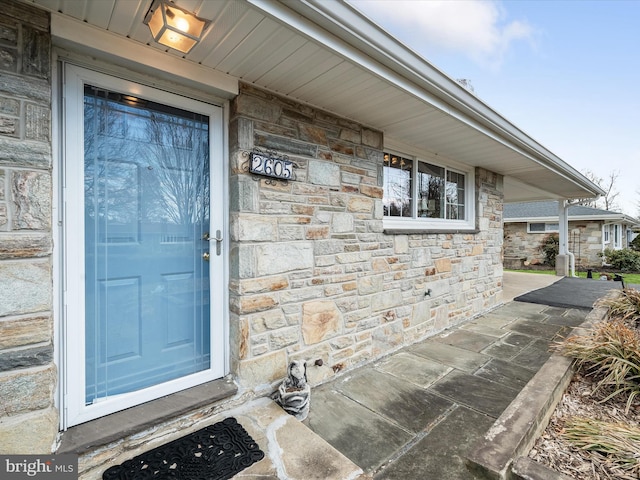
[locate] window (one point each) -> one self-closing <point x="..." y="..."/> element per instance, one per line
<point x="420" y="194"/>
<point x="541" y="227"/>
<point x="606" y="231"/>
<point x="617" y="237"/>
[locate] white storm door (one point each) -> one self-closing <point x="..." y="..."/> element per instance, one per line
<point x="144" y="282"/>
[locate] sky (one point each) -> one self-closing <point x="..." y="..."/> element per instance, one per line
<point x="565" y="72"/>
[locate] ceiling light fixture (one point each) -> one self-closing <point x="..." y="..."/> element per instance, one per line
<point x="173" y="26"/>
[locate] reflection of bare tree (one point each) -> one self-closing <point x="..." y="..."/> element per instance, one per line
<point x="144" y="162"/>
<point x="177" y="153"/>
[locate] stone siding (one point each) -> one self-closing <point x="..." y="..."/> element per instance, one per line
<point x="313" y="274"/>
<point x="585" y="242"/>
<point x="28" y="419"/>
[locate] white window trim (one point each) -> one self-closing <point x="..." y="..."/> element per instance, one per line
<point x="418" y="224"/>
<point x="546" y="230"/>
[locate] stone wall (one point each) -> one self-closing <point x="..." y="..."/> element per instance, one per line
<point x="28" y="420"/>
<point x="585" y="242"/>
<point x="313" y="275"/>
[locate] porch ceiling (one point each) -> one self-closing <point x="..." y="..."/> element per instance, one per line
<point x="327" y="55"/>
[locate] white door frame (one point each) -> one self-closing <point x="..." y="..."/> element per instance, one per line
<point x="72" y="325"/>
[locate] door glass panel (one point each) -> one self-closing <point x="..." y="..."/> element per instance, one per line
<point x="146" y="193"/>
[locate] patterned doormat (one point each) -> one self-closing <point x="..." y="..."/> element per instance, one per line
<point x="216" y="452"/>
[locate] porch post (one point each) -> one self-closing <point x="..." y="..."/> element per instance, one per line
<point x="562" y="260"/>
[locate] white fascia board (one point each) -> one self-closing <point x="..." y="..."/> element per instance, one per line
<point x="571" y="218"/>
<point x="84" y="38"/>
<point x="357" y="39"/>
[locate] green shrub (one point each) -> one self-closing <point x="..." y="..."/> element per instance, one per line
<point x="550" y="247"/>
<point x="635" y="244"/>
<point x="625" y="260"/>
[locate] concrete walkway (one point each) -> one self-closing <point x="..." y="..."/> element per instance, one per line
<point x="515" y="284"/>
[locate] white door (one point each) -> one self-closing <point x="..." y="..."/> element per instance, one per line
<point x="144" y="202"/>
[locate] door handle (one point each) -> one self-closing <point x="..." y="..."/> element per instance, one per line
<point x="218" y="238"/>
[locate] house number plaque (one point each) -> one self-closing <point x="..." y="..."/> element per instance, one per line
<point x="270" y="166"/>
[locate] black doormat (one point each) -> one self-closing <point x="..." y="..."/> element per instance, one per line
<point x="216" y="452"/>
<point x="571" y="292"/>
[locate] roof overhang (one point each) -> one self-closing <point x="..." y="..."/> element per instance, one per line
<point x="613" y="217"/>
<point x="328" y="55"/>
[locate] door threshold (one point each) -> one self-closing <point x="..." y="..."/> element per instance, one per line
<point x="102" y="431"/>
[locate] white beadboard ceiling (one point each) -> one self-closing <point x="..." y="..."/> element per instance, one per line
<point x="327" y="55"/>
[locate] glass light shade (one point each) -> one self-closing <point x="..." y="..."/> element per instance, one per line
<point x="173" y="27"/>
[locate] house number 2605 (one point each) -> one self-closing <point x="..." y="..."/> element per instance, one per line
<point x="270" y="166"/>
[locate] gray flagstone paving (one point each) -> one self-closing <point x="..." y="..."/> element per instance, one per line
<point x="414" y="414"/>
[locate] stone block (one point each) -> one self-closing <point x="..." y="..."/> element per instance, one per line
<point x="342" y="223"/>
<point x="371" y="191"/>
<point x="360" y="204"/>
<point x="443" y="265"/>
<point x="241" y="261"/>
<point x="270" y="320"/>
<point x="33" y="433"/>
<point x="370" y="284"/>
<point x="4" y="219"/>
<point x="26" y="390"/>
<point x="254" y="228"/>
<point x="253" y="303"/>
<point x="36" y="58"/>
<point x="421" y="313"/>
<point x="285" y="145"/>
<point x="372" y="138"/>
<point x="317" y="232"/>
<point x="277" y="258"/>
<point x="24" y="153"/>
<point x="258" y="108"/>
<point x="31" y="200"/>
<point x="9" y="126"/>
<point x="24" y="245"/>
<point x="324" y="173"/>
<point x="283" y="338"/>
<point x="265" y="369"/>
<point x="20" y="331"/>
<point x="25" y="287"/>
<point x="9" y="34"/>
<point x="313" y="134"/>
<point x="261" y="285"/>
<point x="321" y="319"/>
<point x="26" y="357"/>
<point x="8" y="59"/>
<point x="386" y="300"/>
<point x="37" y="121"/>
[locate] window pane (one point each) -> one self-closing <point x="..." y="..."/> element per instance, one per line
<point x="397" y="186"/>
<point x="536" y="227"/>
<point x="455" y="195"/>
<point x="552" y="227"/>
<point x="430" y="191"/>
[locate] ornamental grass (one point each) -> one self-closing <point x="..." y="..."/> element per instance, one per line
<point x="610" y="353"/>
<point x="616" y="443"/>
<point x="623" y="304"/>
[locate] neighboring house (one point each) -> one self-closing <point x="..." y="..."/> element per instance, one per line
<point x="140" y="257"/>
<point x="591" y="231"/>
